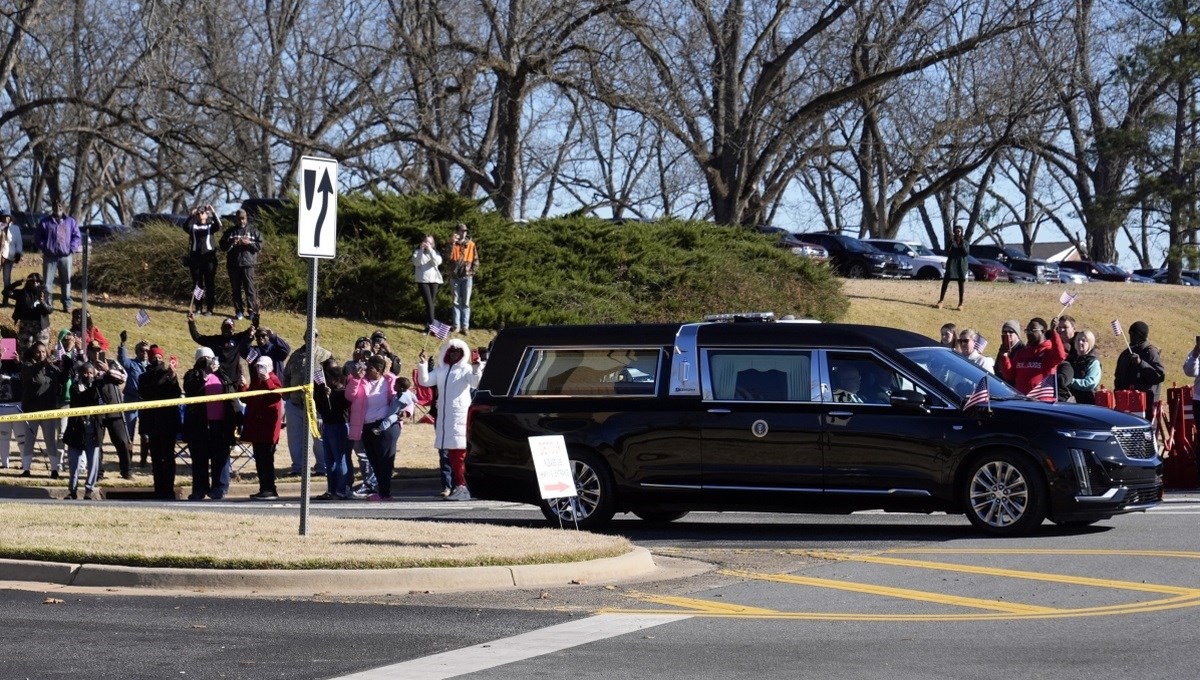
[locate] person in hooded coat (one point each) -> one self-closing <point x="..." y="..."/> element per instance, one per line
<point x="1087" y="369"/>
<point x="1140" y="367"/>
<point x="455" y="376"/>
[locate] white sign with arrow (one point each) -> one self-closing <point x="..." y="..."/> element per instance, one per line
<point x="317" y="235"/>
<point x="552" y="465"/>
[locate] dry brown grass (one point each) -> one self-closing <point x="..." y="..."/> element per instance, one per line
<point x="141" y="537"/>
<point x="1170" y="312"/>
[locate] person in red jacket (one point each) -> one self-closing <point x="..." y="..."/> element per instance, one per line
<point x="1025" y="367"/>
<point x="260" y="425"/>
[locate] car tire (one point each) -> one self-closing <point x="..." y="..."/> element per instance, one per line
<point x="856" y="270"/>
<point x="660" y="516"/>
<point x="1004" y="495"/>
<point x="929" y="274"/>
<point x="594" y="503"/>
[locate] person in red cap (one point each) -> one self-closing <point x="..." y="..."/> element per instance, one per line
<point x="161" y="425"/>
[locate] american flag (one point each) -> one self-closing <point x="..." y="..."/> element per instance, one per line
<point x="319" y="375"/>
<point x="1046" y="390"/>
<point x="980" y="343"/>
<point x="439" y="329"/>
<point x="979" y="397"/>
<point x="1116" y="326"/>
<point x="143" y="317"/>
<point x="198" y="293"/>
<point x="1067" y="298"/>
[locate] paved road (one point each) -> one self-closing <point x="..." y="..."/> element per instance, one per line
<point x="866" y="595"/>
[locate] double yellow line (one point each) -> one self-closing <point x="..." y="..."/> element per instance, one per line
<point x="992" y="609"/>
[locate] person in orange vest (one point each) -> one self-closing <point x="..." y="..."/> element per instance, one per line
<point x="464" y="261"/>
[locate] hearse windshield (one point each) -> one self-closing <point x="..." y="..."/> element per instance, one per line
<point x="952" y="370"/>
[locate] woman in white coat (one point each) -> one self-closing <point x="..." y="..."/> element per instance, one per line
<point x="11" y="248"/>
<point x="426" y="260"/>
<point x="454" y="376"/>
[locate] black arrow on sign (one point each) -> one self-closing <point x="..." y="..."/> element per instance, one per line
<point x="326" y="188"/>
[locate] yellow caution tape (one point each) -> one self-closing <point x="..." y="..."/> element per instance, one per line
<point x="310" y="406"/>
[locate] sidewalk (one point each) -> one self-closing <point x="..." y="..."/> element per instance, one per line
<point x="288" y="488"/>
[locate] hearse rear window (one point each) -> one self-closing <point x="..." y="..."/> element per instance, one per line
<point x="762" y="375"/>
<point x="590" y="372"/>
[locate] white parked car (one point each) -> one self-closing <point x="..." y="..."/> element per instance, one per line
<point x="925" y="263"/>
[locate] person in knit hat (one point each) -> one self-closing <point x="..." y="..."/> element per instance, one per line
<point x="1140" y="367"/>
<point x="1010" y="338"/>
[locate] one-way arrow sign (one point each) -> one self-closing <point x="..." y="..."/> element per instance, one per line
<point x="317" y="234"/>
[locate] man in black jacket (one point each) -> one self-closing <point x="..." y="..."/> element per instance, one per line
<point x="32" y="315"/>
<point x="228" y="347"/>
<point x="42" y="384"/>
<point x="242" y="244"/>
<point x="1140" y="367"/>
<point x="161" y="425"/>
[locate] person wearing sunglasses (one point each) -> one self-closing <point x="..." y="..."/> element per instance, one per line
<point x="965" y="345"/>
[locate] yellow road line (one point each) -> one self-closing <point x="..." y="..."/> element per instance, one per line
<point x="704" y="606"/>
<point x="1005" y="573"/>
<point x="1044" y="551"/>
<point x="901" y="593"/>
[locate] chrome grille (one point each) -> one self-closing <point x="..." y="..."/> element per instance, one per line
<point x="1136" y="442"/>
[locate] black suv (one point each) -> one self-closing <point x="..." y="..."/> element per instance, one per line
<point x="855" y="259"/>
<point x="792" y="417"/>
<point x="1016" y="259"/>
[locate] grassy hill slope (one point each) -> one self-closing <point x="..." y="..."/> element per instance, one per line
<point x="1170" y="311"/>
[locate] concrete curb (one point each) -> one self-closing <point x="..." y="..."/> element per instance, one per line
<point x="637" y="563"/>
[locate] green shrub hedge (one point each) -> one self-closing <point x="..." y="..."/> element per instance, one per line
<point x="562" y="270"/>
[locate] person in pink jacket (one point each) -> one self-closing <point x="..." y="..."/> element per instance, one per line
<point x="454" y="376"/>
<point x="375" y="412"/>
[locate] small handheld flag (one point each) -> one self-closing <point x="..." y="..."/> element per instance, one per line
<point x="319" y="375"/>
<point x="1116" y="326"/>
<point x="1067" y="298"/>
<point x="979" y="397"/>
<point x="1046" y="390"/>
<point x="198" y="293"/>
<point x="440" y="330"/>
<point x="143" y="317"/>
<point x="980" y="343"/>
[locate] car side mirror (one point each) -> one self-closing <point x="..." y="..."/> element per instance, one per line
<point x="909" y="399"/>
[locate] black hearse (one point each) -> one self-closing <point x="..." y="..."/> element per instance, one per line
<point x="792" y="417"/>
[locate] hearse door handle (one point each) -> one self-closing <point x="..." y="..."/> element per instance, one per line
<point x="719" y="410"/>
<point x="841" y="414"/>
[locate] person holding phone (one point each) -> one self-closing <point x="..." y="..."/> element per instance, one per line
<point x="161" y="425"/>
<point x="208" y="428"/>
<point x="202" y="227"/>
<point x="426" y="262"/>
<point x="956" y="266"/>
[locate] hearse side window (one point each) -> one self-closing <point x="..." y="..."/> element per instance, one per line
<point x="760" y="375"/>
<point x="861" y="378"/>
<point x="590" y="372"/>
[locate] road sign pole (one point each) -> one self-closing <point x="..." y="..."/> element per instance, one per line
<point x="309" y="366"/>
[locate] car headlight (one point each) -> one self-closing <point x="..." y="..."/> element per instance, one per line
<point x="1086" y="435"/>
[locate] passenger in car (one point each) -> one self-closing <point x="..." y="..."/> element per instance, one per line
<point x="847" y="380"/>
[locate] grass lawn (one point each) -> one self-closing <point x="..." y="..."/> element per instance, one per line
<point x="176" y="538"/>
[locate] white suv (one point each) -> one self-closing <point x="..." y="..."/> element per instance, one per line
<point x="925" y="264"/>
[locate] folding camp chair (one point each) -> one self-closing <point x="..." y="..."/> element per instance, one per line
<point x="423" y="403"/>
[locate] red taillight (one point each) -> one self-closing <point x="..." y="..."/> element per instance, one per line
<point x="471" y="411"/>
